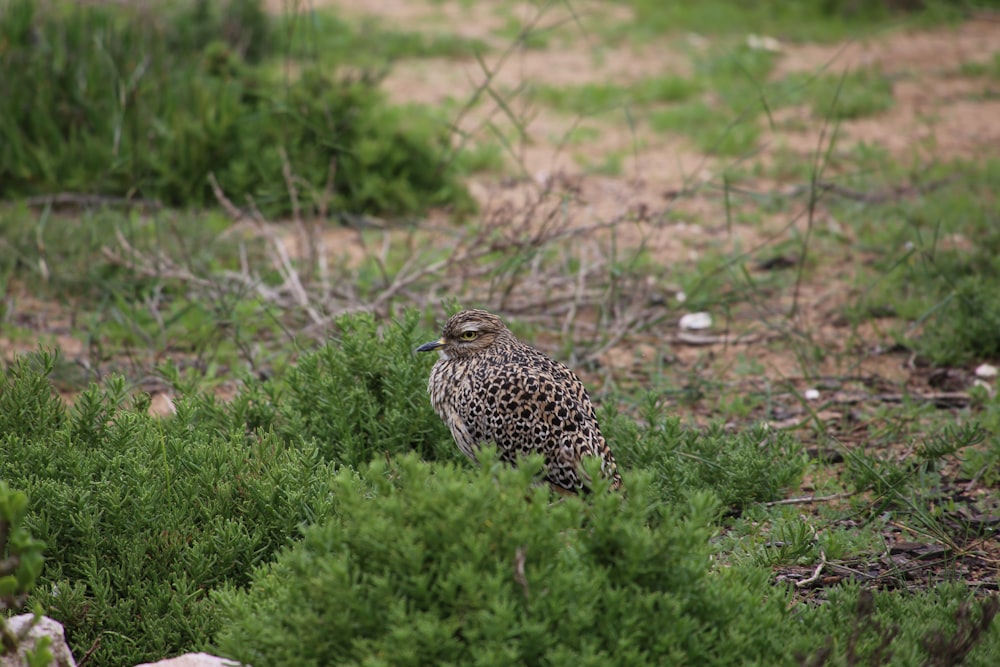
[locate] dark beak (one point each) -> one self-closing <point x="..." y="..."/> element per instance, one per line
<point x="431" y="346"/>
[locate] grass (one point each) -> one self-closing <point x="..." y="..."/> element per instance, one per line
<point x="929" y="271"/>
<point x="817" y="22"/>
<point x="324" y="37"/>
<point x="679" y="105"/>
<point x="595" y="98"/>
<point x="856" y="94"/>
<point x="161" y="108"/>
<point x="120" y="311"/>
<point x="977" y="68"/>
<point x="711" y="131"/>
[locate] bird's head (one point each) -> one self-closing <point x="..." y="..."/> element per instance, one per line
<point x="467" y="333"/>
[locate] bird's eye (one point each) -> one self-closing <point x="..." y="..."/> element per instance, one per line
<point x="469" y="335"/>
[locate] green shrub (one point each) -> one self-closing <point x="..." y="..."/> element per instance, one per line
<point x="364" y="395"/>
<point x="142" y="517"/>
<point x="20" y="559"/>
<point x="431" y="565"/>
<point x="243" y="25"/>
<point x="427" y="564"/>
<point x="145" y="516"/>
<point x="297" y="524"/>
<point x="130" y="103"/>
<point x="967" y="326"/>
<point x="941" y="626"/>
<point x="740" y="468"/>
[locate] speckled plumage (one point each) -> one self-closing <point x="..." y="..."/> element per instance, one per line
<point x="490" y="387"/>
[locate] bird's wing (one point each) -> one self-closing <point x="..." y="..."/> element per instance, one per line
<point x="526" y="409"/>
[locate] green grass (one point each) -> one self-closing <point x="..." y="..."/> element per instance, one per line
<point x="611" y="164"/>
<point x="152" y="109"/>
<point x="856" y="94"/>
<point x="716" y="109"/>
<point x="936" y="262"/>
<point x="792" y="21"/>
<point x="323" y="36"/>
<point x="514" y="31"/>
<point x="128" y="299"/>
<point x="595" y="98"/>
<point x="577" y="135"/>
<point x="62" y="256"/>
<point x="977" y="68"/>
<point x="711" y="130"/>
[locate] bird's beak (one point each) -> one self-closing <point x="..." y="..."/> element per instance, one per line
<point x="431" y="346"/>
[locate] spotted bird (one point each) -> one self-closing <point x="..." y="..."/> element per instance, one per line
<point x="488" y="386"/>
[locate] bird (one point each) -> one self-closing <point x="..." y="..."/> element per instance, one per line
<point x="489" y="387"/>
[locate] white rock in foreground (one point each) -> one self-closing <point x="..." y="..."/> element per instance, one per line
<point x="986" y="371"/>
<point x="192" y="660"/>
<point x="46" y="627"/>
<point x="696" y="321"/>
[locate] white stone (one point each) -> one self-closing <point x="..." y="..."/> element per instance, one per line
<point x="986" y="371"/>
<point x="763" y="43"/>
<point x="696" y="321"/>
<point x="811" y="394"/>
<point x="193" y="660"/>
<point x="29" y="632"/>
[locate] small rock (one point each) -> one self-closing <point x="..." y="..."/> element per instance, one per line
<point x="811" y="394"/>
<point x="696" y="321"/>
<point x="763" y="43"/>
<point x="25" y="626"/>
<point x="986" y="371"/>
<point x="193" y="660"/>
<point x="160" y="405"/>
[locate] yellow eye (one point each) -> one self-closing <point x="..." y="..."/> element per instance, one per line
<point x="469" y="335"/>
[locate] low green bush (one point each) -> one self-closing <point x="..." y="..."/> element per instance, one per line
<point x="142" y="517"/>
<point x="243" y="25"/>
<point x="130" y="102"/>
<point x="740" y="468"/>
<point x="326" y="517"/>
<point x="425" y="564"/>
<point x="432" y="565"/>
<point x="938" y="627"/>
<point x="364" y="395"/>
<point x="20" y="560"/>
